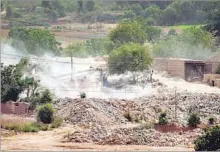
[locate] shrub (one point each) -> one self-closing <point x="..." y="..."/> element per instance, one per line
<point x="194" y="120"/>
<point x="163" y="119"/>
<point x="82" y="95"/>
<point x="211" y="121"/>
<point x="45" y="113"/>
<point x="29" y="127"/>
<point x="209" y="141"/>
<point x="57" y="122"/>
<point x="12" y="127"/>
<point x="44" y="127"/>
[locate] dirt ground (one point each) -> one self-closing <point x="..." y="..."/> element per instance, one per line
<point x="52" y="140"/>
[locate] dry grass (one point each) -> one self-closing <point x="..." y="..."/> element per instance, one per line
<point x="13" y="119"/>
<point x="18" y="123"/>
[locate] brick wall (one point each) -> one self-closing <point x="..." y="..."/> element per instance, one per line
<point x="10" y="107"/>
<point x="174" y="67"/>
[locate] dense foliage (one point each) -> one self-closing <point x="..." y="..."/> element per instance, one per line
<point x="128" y="32"/>
<point x="193" y="43"/>
<point x="163" y="119"/>
<point x="194" y="120"/>
<point x="46" y="113"/>
<point x="209" y="141"/>
<point x="129" y="57"/>
<point x="34" y="40"/>
<point x="159" y="12"/>
<point x="12" y="83"/>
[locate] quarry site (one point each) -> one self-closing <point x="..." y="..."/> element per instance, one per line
<point x="110" y="76"/>
<point x="122" y="114"/>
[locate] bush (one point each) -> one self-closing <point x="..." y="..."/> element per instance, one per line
<point x="82" y="95"/>
<point x="211" y="121"/>
<point x="209" y="141"/>
<point x="57" y="122"/>
<point x="12" y="127"/>
<point x="44" y="127"/>
<point x="163" y="119"/>
<point x="30" y="127"/>
<point x="45" y="113"/>
<point x="194" y="120"/>
<point x="27" y="127"/>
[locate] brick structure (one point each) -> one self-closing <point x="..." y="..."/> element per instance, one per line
<point x="187" y="69"/>
<point x="184" y="68"/>
<point x="19" y="108"/>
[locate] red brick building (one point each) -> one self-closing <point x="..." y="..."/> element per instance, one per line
<point x="19" y="108"/>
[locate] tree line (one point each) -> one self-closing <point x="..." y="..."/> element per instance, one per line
<point x="156" y="12"/>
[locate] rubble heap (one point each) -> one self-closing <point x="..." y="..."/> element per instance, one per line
<point x="103" y="115"/>
<point x="133" y="136"/>
<point x="84" y="111"/>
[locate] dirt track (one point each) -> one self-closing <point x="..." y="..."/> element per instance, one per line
<point x="52" y="140"/>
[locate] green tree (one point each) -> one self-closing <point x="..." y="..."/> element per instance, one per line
<point x="30" y="85"/>
<point x="129" y="57"/>
<point x="153" y="33"/>
<point x="137" y="9"/>
<point x="128" y="32"/>
<point x="59" y="7"/>
<point x="46" y="97"/>
<point x="198" y="36"/>
<point x="53" y="15"/>
<point x="198" y="44"/>
<point x="46" y="113"/>
<point x="9" y="12"/>
<point x="169" y="16"/>
<point x="45" y="4"/>
<point x="129" y="14"/>
<point x="34" y="40"/>
<point x="209" y="141"/>
<point x="212" y="13"/>
<point x="90" y="5"/>
<point x="80" y="6"/>
<point x="11" y="81"/>
<point x="152" y="11"/>
<point x="98" y="47"/>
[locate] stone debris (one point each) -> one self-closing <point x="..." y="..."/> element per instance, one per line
<point x="100" y="115"/>
<point x="133" y="136"/>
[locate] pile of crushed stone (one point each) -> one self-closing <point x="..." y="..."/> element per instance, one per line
<point x="85" y="111"/>
<point x="133" y="136"/>
<point x="100" y="115"/>
<point x="145" y="109"/>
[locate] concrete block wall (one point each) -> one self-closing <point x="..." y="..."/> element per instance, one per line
<point x="174" y="67"/>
